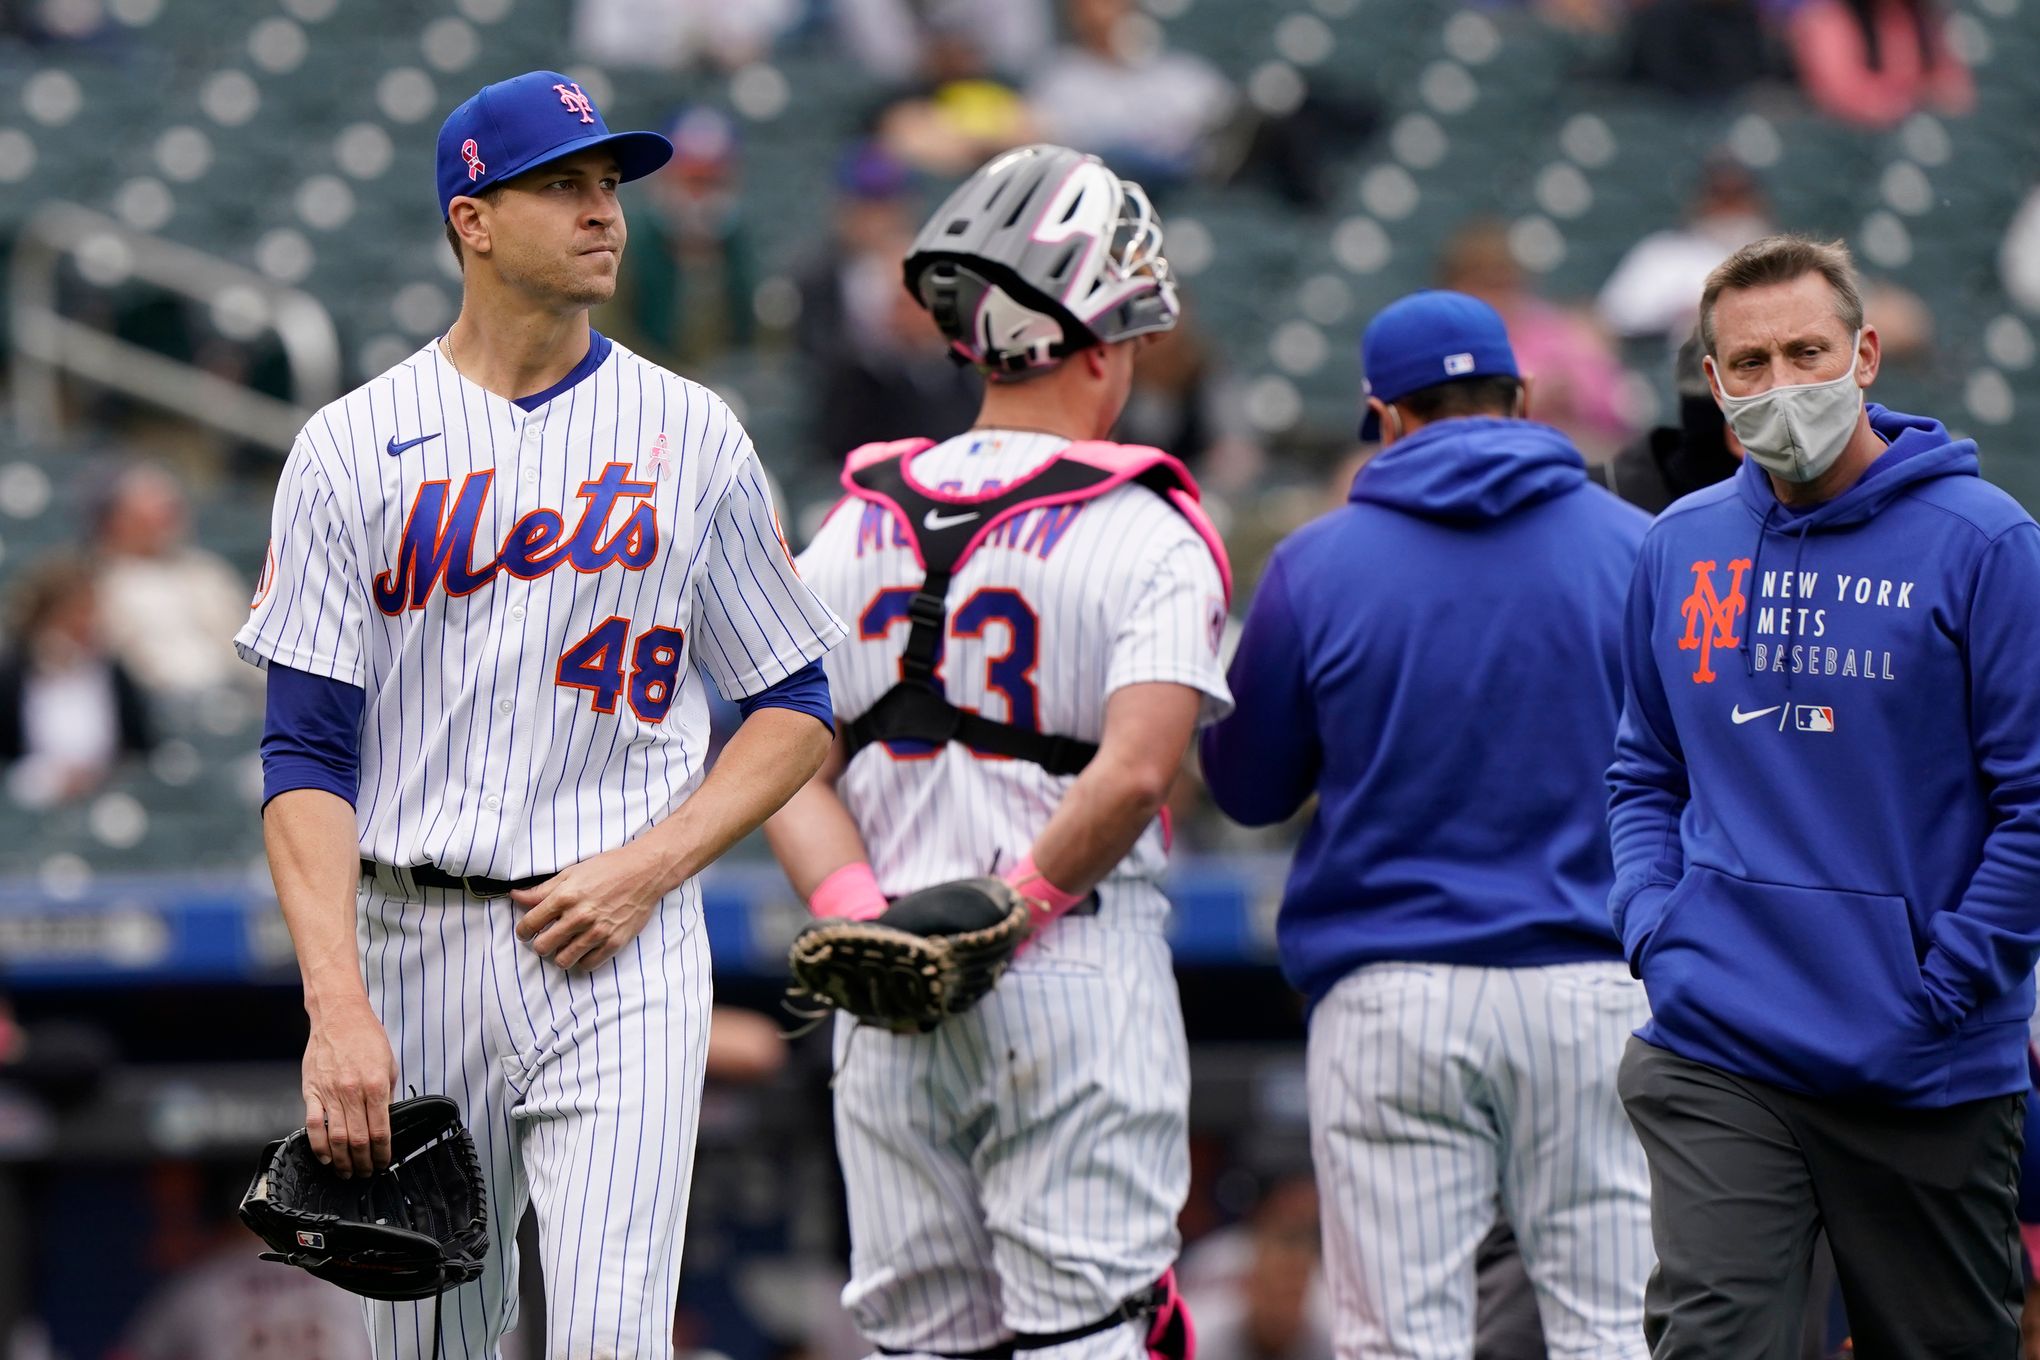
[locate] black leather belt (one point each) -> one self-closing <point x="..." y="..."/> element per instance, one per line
<point x="475" y="885"/>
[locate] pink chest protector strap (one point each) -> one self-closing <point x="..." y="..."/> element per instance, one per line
<point x="943" y="530"/>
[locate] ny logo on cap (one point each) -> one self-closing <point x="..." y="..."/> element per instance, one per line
<point x="472" y="154"/>
<point x="576" y="102"/>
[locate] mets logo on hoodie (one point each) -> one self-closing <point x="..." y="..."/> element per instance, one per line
<point x="1710" y="616"/>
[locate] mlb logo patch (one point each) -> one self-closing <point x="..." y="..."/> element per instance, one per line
<point x="1458" y="365"/>
<point x="316" y="1241"/>
<point x="1813" y="718"/>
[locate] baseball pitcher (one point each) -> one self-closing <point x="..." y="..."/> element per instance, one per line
<point x="498" y="575"/>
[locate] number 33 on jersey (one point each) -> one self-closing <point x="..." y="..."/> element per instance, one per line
<point x="1074" y="584"/>
<point x="528" y="591"/>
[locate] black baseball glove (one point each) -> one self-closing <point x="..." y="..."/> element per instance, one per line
<point x="408" y="1232"/>
<point x="933" y="954"/>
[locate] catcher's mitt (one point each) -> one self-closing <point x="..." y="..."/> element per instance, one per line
<point x="933" y="954"/>
<point x="409" y="1232"/>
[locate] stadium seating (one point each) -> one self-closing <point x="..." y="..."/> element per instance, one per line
<point x="296" y="136"/>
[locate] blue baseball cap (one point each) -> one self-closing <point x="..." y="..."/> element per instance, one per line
<point x="1428" y="338"/>
<point x="526" y="121"/>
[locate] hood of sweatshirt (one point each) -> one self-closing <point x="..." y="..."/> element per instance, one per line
<point x="1472" y="469"/>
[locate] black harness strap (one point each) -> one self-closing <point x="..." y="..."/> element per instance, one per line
<point x="1139" y="1307"/>
<point x="915" y="709"/>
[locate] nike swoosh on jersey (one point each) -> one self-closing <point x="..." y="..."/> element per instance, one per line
<point x="1738" y="717"/>
<point x="393" y="448"/>
<point x="935" y="519"/>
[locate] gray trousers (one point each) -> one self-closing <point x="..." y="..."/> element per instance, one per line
<point x="1920" y="1208"/>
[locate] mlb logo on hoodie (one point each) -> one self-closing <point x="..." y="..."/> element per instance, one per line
<point x="1813" y="718"/>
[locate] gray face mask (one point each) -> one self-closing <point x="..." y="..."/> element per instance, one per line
<point x="1797" y="432"/>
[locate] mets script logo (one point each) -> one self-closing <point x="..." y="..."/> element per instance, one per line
<point x="1710" y="617"/>
<point x="438" y="547"/>
<point x="576" y="102"/>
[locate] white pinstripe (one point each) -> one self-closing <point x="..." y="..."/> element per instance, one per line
<point x="583" y="1089"/>
<point x="1021" y="1168"/>
<point x="1431" y="1086"/>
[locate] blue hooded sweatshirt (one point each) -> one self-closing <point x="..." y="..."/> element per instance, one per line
<point x="1439" y="660"/>
<point x="1826" y="791"/>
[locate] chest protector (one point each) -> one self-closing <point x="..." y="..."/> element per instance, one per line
<point x="943" y="530"/>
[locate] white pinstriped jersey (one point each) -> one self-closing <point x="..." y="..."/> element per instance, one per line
<point x="1053" y="612"/>
<point x="527" y="591"/>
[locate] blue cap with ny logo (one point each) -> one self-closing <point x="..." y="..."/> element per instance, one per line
<point x="1428" y="338"/>
<point x="527" y="121"/>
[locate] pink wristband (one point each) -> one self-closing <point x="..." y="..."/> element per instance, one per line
<point x="851" y="892"/>
<point x="1046" y="902"/>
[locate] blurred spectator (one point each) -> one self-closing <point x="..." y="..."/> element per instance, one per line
<point x="880" y="362"/>
<point x="690" y="272"/>
<point x="1873" y="62"/>
<point x="2019" y="256"/>
<point x="1118" y="91"/>
<point x="672" y="35"/>
<point x="168" y="608"/>
<point x="743" y="1046"/>
<point x="1674" y="460"/>
<point x="1575" y="378"/>
<point x="1257" y="1292"/>
<point x="1707" y="50"/>
<point x="68" y="710"/>
<point x="962" y="114"/>
<point x="1655" y="290"/>
<point x="903" y="41"/>
<point x="1164" y="117"/>
<point x="1183" y="403"/>
<point x="230" y="1305"/>
<point x="1581" y="16"/>
<point x="51" y="22"/>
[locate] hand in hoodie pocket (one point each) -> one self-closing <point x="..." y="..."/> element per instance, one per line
<point x="1814" y="989"/>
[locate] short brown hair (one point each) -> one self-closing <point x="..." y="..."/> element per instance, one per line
<point x="1492" y="394"/>
<point x="46" y="586"/>
<point x="1781" y="259"/>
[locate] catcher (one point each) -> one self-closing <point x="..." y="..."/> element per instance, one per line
<point x="1037" y="619"/>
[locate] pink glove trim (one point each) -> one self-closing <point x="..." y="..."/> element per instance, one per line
<point x="851" y="892"/>
<point x="1045" y="901"/>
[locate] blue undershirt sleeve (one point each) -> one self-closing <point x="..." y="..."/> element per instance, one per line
<point x="1262" y="762"/>
<point x="311" y="734"/>
<point x="805" y="691"/>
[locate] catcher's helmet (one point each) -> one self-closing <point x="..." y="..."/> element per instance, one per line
<point x="1042" y="252"/>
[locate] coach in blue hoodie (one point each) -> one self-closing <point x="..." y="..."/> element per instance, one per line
<point x="1439" y="662"/>
<point x="1826" y="825"/>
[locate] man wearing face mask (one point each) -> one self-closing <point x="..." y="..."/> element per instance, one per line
<point x="1826" y="827"/>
